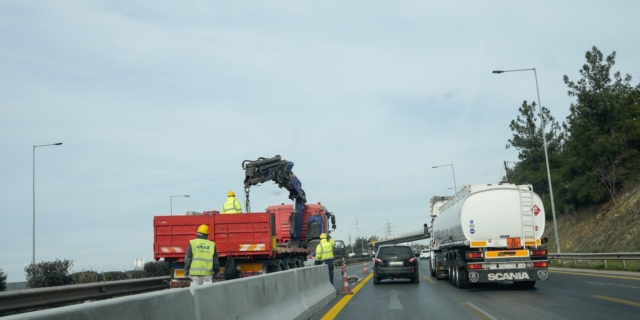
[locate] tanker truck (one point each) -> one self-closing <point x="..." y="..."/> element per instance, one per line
<point x="488" y="233"/>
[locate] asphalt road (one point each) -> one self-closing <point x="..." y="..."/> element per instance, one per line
<point x="566" y="295"/>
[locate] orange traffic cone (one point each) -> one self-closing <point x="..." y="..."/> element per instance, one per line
<point x="365" y="268"/>
<point x="345" y="280"/>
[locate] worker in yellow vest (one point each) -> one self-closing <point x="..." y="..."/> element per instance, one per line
<point x="232" y="205"/>
<point x="324" y="253"/>
<point x="201" y="261"/>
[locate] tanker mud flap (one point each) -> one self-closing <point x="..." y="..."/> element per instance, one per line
<point x="488" y="276"/>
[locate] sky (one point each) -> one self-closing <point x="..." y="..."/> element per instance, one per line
<point x="162" y="98"/>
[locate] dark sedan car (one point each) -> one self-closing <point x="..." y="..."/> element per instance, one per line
<point x="395" y="262"/>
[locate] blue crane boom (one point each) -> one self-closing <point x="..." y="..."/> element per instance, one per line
<point x="278" y="170"/>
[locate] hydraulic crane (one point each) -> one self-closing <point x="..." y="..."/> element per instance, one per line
<point x="278" y="170"/>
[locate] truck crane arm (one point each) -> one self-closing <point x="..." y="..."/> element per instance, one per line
<point x="278" y="170"/>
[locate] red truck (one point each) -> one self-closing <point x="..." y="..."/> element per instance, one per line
<point x="258" y="241"/>
<point x="278" y="239"/>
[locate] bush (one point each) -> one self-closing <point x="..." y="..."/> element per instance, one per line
<point x="86" y="277"/>
<point x="3" y="281"/>
<point x="89" y="276"/>
<point x="137" y="274"/>
<point x="157" y="269"/>
<point x="49" y="274"/>
<point x="115" y="276"/>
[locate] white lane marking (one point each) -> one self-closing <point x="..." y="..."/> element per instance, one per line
<point x="612" y="284"/>
<point x="394" y="302"/>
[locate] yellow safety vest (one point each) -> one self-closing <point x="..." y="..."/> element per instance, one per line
<point x="324" y="250"/>
<point x="202" y="262"/>
<point x="231" y="206"/>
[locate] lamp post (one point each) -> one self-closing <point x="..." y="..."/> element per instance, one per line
<point x="171" y="201"/>
<point x="454" y="174"/>
<point x="546" y="156"/>
<point x="33" y="253"/>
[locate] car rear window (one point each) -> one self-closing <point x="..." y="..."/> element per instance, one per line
<point x="425" y="251"/>
<point x="395" y="251"/>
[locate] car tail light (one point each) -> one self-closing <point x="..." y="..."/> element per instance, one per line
<point x="413" y="260"/>
<point x="473" y="266"/>
<point x="541" y="264"/>
<point x="377" y="261"/>
<point x="440" y="263"/>
<point x="538" y="252"/>
<point x="474" y="255"/>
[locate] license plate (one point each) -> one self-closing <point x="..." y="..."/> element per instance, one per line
<point x="507" y="266"/>
<point x="395" y="263"/>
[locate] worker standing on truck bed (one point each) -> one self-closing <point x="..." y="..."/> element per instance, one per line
<point x="324" y="253"/>
<point x="201" y="261"/>
<point x="232" y="205"/>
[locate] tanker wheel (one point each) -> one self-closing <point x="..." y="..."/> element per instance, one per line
<point x="454" y="281"/>
<point x="462" y="279"/>
<point x="450" y="268"/>
<point x="433" y="272"/>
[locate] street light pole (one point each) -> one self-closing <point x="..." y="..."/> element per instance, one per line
<point x="33" y="192"/>
<point x="454" y="174"/>
<point x="546" y="155"/>
<point x="171" y="201"/>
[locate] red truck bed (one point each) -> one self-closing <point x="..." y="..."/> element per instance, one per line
<point x="237" y="234"/>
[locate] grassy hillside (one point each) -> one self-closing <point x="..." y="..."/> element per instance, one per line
<point x="607" y="228"/>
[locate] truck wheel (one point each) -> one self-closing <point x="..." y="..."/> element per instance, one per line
<point x="462" y="279"/>
<point x="433" y="272"/>
<point x="454" y="276"/>
<point x="376" y="280"/>
<point x="450" y="278"/>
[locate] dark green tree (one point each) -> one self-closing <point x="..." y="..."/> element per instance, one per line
<point x="3" y="281"/>
<point x="603" y="132"/>
<point x="527" y="139"/>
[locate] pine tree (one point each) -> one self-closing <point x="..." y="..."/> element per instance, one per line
<point x="527" y="139"/>
<point x="603" y="132"/>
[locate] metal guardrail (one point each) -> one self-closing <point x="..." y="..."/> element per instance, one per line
<point x="41" y="297"/>
<point x="597" y="256"/>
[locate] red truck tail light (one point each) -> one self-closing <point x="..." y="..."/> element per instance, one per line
<point x="475" y="255"/>
<point x="541" y="264"/>
<point x="377" y="261"/>
<point x="473" y="266"/>
<point x="413" y="260"/>
<point x="538" y="252"/>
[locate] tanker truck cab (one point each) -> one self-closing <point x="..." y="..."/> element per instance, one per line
<point x="489" y="233"/>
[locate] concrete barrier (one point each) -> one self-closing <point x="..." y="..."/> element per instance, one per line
<point x="314" y="288"/>
<point x="293" y="294"/>
<point x="270" y="296"/>
<point x="165" y="304"/>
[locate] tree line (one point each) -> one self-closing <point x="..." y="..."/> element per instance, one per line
<point x="595" y="153"/>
